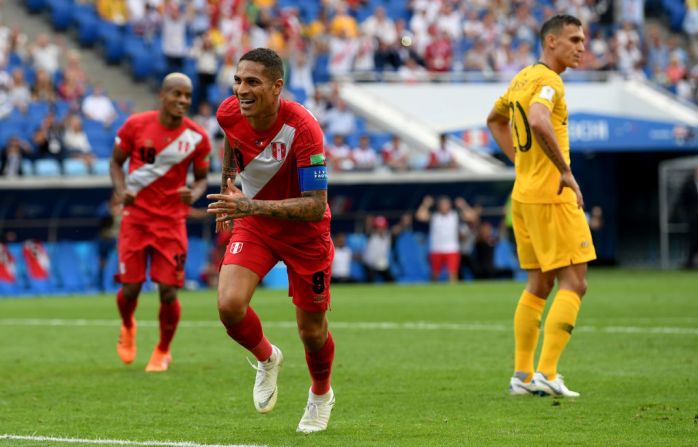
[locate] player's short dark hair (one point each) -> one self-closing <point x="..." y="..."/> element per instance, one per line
<point x="273" y="65"/>
<point x="555" y="24"/>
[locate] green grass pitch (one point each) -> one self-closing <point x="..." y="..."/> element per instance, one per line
<point x="423" y="365"/>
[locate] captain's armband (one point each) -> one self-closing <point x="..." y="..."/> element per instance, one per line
<point x="312" y="178"/>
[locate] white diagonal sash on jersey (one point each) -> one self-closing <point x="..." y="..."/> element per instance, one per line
<point x="172" y="155"/>
<point x="264" y="166"/>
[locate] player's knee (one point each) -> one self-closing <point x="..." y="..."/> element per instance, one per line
<point x="168" y="294"/>
<point x="131" y="291"/>
<point x="582" y="287"/>
<point x="313" y="336"/>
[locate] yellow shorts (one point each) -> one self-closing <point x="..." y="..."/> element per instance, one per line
<point x="551" y="235"/>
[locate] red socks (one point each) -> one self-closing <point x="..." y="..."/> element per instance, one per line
<point x="126" y="308"/>
<point x="248" y="333"/>
<point x="169" y="318"/>
<point x="320" y="366"/>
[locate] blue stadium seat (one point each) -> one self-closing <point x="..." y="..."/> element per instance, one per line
<point x="35" y="6"/>
<point x="277" y="278"/>
<point x="110" y="269"/>
<point x="61" y="14"/>
<point x="47" y="167"/>
<point x="74" y="168"/>
<point x="101" y="166"/>
<point x="27" y="167"/>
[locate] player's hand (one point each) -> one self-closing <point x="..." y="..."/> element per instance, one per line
<point x="128" y="198"/>
<point x="185" y="195"/>
<point x="568" y="180"/>
<point x="231" y="205"/>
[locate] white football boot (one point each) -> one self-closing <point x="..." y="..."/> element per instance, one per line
<point x="265" y="390"/>
<point x="518" y="387"/>
<point x="317" y="412"/>
<point x="552" y="387"/>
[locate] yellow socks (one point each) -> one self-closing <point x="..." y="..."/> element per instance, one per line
<point x="558" y="329"/>
<point x="526" y="330"/>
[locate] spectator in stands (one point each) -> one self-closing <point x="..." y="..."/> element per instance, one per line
<point x="20" y="94"/>
<point x="342" y="23"/>
<point x="364" y="156"/>
<point x="412" y="72"/>
<point x="444" y="249"/>
<point x="226" y="73"/>
<point x="98" y="107"/>
<point x="379" y="26"/>
<point x="441" y="157"/>
<point x="43" y="89"/>
<point x="74" y="69"/>
<point x="395" y="154"/>
<point x="364" y="58"/>
<point x="376" y="255"/>
<point x="318" y="105"/>
<point x="206" y="119"/>
<point x="341" y="263"/>
<point x="46" y="55"/>
<point x="76" y="143"/>
<point x="301" y="73"/>
<point x="206" y="56"/>
<point x="115" y="11"/>
<point x="339" y="155"/>
<point x="467" y="234"/>
<point x="6" y="105"/>
<point x="12" y="155"/>
<point x="71" y="91"/>
<point x="48" y="139"/>
<point x="342" y="51"/>
<point x="339" y="120"/>
<point x="438" y="55"/>
<point x="174" y="35"/>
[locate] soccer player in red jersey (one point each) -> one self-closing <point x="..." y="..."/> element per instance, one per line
<point x="159" y="145"/>
<point x="276" y="147"/>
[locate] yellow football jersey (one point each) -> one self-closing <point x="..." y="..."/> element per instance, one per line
<point x="537" y="178"/>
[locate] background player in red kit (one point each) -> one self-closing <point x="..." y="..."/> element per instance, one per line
<point x="160" y="146"/>
<point x="281" y="213"/>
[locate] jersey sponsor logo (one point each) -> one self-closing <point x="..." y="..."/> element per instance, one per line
<point x="547" y="92"/>
<point x="278" y="150"/>
<point x="235" y="248"/>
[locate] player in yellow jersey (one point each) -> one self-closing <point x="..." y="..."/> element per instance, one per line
<point x="529" y="123"/>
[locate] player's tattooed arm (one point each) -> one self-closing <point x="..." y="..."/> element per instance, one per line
<point x="310" y="207"/>
<point x="542" y="128"/>
<point x="229" y="166"/>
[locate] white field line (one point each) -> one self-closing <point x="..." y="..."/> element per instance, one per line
<point x="117" y="442"/>
<point x="361" y="325"/>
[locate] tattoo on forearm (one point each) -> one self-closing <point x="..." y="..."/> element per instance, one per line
<point x="552" y="151"/>
<point x="229" y="166"/>
<point x="308" y="208"/>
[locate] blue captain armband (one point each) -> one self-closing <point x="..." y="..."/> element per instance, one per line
<point x="313" y="178"/>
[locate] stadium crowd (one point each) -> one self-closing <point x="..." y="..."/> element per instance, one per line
<point x="50" y="109"/>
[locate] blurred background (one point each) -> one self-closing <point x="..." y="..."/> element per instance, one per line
<point x="402" y="90"/>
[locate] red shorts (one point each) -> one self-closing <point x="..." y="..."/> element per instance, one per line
<point x="440" y="260"/>
<point x="166" y="245"/>
<point x="309" y="265"/>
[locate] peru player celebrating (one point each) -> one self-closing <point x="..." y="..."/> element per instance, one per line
<point x="160" y="145"/>
<point x="276" y="147"/>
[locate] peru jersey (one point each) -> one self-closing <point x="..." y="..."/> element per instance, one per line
<point x="37" y="260"/>
<point x="269" y="162"/>
<point x="8" y="266"/>
<point x="159" y="160"/>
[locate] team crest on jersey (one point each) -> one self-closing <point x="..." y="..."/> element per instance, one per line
<point x="278" y="150"/>
<point x="235" y="248"/>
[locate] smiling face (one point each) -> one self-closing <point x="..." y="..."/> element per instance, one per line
<point x="256" y="91"/>
<point x="176" y="96"/>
